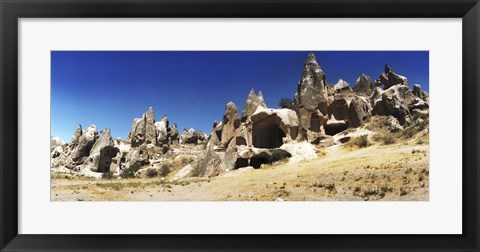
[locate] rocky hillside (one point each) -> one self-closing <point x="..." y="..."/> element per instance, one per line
<point x="321" y="115"/>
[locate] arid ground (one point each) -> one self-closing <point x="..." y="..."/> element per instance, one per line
<point x="398" y="171"/>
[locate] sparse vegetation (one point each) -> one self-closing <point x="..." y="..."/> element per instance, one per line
<point x="151" y="173"/>
<point x="107" y="175"/>
<point x="385" y="138"/>
<point x="130" y="171"/>
<point x="165" y="149"/>
<point x="165" y="170"/>
<point x="360" y="142"/>
<point x="278" y="155"/>
<point x="285" y="103"/>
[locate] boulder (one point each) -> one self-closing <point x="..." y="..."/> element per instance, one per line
<point x="363" y="85"/>
<point x="359" y="111"/>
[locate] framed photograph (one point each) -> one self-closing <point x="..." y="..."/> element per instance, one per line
<point x="225" y="125"/>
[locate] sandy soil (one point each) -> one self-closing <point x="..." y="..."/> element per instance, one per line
<point x="377" y="172"/>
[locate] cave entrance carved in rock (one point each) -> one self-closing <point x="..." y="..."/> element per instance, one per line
<point x="267" y="133"/>
<point x="315" y="123"/>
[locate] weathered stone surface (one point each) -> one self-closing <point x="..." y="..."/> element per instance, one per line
<point x="150" y="131"/>
<point x="82" y="149"/>
<point x="312" y="87"/>
<point x="339" y="109"/>
<point x="208" y="165"/>
<point x="229" y="159"/>
<point x="137" y="134"/>
<point x="55" y="142"/>
<point x="76" y="135"/>
<point x="363" y="85"/>
<point x="359" y="111"/>
<point x="192" y="136"/>
<point x="390" y="78"/>
<point x="161" y="129"/>
<point x="273" y="127"/>
<point x="230" y="123"/>
<point x="252" y="103"/>
<point x="102" y="152"/>
<point x="342" y="86"/>
<point x="394" y="101"/>
<point x="174" y="134"/>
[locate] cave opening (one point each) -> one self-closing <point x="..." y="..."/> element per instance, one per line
<point x="335" y="128"/>
<point x="256" y="162"/>
<point x="267" y="133"/>
<point x="241" y="162"/>
<point x="315" y="123"/>
<point x="105" y="159"/>
<point x="240" y="141"/>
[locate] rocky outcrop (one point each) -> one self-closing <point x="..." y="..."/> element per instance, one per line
<point x="252" y="103"/>
<point x="363" y="85"/>
<point x="312" y="88"/>
<point x="102" y="152"/>
<point x="174" y="134"/>
<point x="394" y="101"/>
<point x="161" y="130"/>
<point x="359" y="111"/>
<point x="389" y="78"/>
<point x="76" y="135"/>
<point x="273" y="127"/>
<point x="230" y="123"/>
<point x="150" y="129"/>
<point x="82" y="149"/>
<point x="192" y="136"/>
<point x="417" y="90"/>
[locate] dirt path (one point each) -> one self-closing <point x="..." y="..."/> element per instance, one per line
<point x="377" y="172"/>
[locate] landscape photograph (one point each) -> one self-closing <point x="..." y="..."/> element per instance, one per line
<point x="239" y="126"/>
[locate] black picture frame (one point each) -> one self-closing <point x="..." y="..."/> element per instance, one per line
<point x="12" y="10"/>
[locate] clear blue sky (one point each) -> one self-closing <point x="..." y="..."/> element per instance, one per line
<point x="110" y="88"/>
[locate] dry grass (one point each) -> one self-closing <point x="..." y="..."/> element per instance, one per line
<point x="376" y="172"/>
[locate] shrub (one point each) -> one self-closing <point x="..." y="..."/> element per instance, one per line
<point x="107" y="175"/>
<point x="361" y="141"/>
<point x="423" y="124"/>
<point x="197" y="169"/>
<point x="285" y="103"/>
<point x="278" y="155"/>
<point x="165" y="149"/>
<point x="409" y="132"/>
<point x="385" y="138"/>
<point x="165" y="170"/>
<point x="151" y="173"/>
<point x="130" y="171"/>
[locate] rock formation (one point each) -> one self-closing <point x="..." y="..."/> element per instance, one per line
<point x="252" y="103"/>
<point x="363" y="85"/>
<point x="389" y="78"/>
<point x="260" y="135"/>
